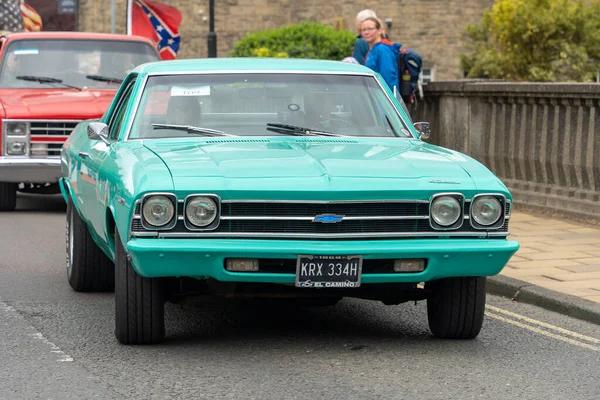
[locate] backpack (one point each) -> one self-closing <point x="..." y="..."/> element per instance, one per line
<point x="410" y="69"/>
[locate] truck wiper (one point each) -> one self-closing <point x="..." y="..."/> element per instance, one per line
<point x="198" y="130"/>
<point x="104" y="78"/>
<point x="46" y="79"/>
<point x="297" y="130"/>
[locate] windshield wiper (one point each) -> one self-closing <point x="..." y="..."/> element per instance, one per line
<point x="297" y="130"/>
<point x="104" y="78"/>
<point x="46" y="79"/>
<point x="198" y="130"/>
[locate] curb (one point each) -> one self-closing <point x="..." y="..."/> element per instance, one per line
<point x="552" y="300"/>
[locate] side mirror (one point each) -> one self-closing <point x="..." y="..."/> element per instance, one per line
<point x="424" y="129"/>
<point x="98" y="131"/>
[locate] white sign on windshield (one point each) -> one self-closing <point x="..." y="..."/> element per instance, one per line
<point x="26" y="51"/>
<point x="190" y="91"/>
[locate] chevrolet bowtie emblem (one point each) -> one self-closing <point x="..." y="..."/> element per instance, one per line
<point x="328" y="218"/>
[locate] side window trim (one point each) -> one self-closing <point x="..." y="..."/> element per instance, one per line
<point x="108" y="118"/>
<point x="113" y="124"/>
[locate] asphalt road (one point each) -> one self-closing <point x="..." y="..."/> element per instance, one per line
<point x="58" y="344"/>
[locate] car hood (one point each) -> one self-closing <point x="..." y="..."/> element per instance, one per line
<point x="55" y="103"/>
<point x="310" y="160"/>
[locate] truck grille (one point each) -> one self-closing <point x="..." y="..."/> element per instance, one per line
<point x="295" y="220"/>
<point x="47" y="137"/>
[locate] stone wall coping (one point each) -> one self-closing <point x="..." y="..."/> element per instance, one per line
<point x="506" y="88"/>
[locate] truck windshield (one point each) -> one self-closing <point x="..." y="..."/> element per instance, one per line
<point x="90" y="63"/>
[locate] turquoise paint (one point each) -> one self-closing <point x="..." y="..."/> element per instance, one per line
<point x="308" y="168"/>
<point x="63" y="190"/>
<point x="205" y="257"/>
<point x="248" y="64"/>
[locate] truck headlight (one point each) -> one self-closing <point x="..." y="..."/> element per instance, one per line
<point x="158" y="210"/>
<point x="16" y="147"/>
<point x="486" y="210"/>
<point x="445" y="211"/>
<point x="201" y="211"/>
<point x="16" y="128"/>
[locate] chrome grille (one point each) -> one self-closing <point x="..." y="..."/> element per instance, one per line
<point x="47" y="137"/>
<point x="295" y="220"/>
<point x="311" y="209"/>
<point x="52" y="128"/>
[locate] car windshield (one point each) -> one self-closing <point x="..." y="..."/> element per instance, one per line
<point x="93" y="63"/>
<point x="266" y="104"/>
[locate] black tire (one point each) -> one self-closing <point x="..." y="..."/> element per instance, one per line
<point x="8" y="196"/>
<point x="88" y="268"/>
<point x="456" y="307"/>
<point x="139" y="303"/>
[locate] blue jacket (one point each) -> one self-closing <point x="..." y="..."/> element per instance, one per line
<point x="361" y="48"/>
<point x="383" y="58"/>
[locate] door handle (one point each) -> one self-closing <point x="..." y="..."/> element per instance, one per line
<point x="83" y="155"/>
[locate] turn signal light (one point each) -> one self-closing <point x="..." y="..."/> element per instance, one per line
<point x="242" y="264"/>
<point x="409" y="265"/>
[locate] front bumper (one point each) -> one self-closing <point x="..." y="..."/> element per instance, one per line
<point x="205" y="257"/>
<point x="30" y="170"/>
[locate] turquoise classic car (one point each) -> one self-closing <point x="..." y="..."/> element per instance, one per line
<point x="303" y="180"/>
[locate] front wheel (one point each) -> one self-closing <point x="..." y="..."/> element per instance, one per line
<point x="8" y="196"/>
<point x="456" y="307"/>
<point x="139" y="302"/>
<point x="88" y="268"/>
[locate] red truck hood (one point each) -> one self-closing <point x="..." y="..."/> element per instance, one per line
<point x="54" y="103"/>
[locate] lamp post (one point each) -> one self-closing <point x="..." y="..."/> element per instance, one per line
<point x="212" y="36"/>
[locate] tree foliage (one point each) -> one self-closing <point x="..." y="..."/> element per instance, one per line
<point x="306" y="40"/>
<point x="535" y="40"/>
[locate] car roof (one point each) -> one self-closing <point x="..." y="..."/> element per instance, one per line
<point x="74" y="35"/>
<point x="250" y="64"/>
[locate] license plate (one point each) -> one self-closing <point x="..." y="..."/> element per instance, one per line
<point x="328" y="271"/>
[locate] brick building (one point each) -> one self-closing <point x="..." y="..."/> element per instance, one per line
<point x="432" y="27"/>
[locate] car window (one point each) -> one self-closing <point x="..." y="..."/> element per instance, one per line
<point x="244" y="103"/>
<point x="83" y="63"/>
<point x="118" y="114"/>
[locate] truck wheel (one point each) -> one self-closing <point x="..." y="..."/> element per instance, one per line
<point x="8" y="196"/>
<point x="88" y="268"/>
<point x="456" y="306"/>
<point x="139" y="303"/>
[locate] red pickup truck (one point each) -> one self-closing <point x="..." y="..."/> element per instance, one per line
<point x="49" y="82"/>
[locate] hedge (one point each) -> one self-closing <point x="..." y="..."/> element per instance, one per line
<point x="306" y="40"/>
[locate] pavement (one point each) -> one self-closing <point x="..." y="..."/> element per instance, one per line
<point x="557" y="266"/>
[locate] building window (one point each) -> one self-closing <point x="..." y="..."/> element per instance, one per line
<point x="428" y="74"/>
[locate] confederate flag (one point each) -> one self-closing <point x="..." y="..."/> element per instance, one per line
<point x="158" y="22"/>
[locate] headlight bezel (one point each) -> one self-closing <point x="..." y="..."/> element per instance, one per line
<point x="171" y="223"/>
<point x="215" y="222"/>
<point x="501" y="219"/>
<point x="460" y="198"/>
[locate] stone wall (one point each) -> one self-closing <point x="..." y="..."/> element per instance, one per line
<point x="432" y="27"/>
<point x="542" y="140"/>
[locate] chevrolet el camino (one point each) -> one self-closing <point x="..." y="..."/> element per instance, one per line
<point x="295" y="179"/>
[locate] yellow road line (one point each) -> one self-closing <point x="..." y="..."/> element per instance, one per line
<point x="542" y="332"/>
<point x="544" y="324"/>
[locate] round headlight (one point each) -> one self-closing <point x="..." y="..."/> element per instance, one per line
<point x="201" y="211"/>
<point x="445" y="210"/>
<point x="158" y="210"/>
<point x="486" y="210"/>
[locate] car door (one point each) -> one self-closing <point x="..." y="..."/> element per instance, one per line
<point x="96" y="188"/>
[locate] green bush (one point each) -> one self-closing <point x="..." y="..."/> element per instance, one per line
<point x="535" y="40"/>
<point x="307" y="40"/>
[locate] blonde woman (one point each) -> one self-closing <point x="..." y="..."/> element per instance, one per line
<point x="383" y="55"/>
